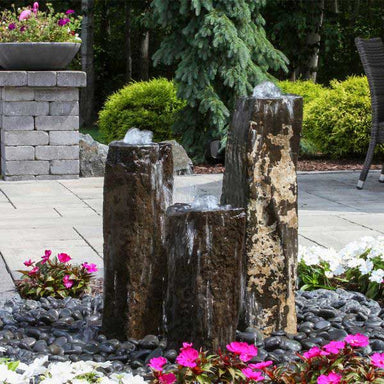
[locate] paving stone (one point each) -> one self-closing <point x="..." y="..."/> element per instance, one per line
<point x="57" y="123"/>
<point x="63" y="138"/>
<point x="35" y="167"/>
<point x="41" y="79"/>
<point x="18" y="123"/>
<point x="64" y="108"/>
<point x="65" y="167"/>
<point x="56" y="177"/>
<point x="18" y="153"/>
<point x="24" y="137"/>
<point x="71" y="79"/>
<point x="57" y="94"/>
<point x="18" y="94"/>
<point x="25" y="108"/>
<point x="53" y="152"/>
<point x="19" y="178"/>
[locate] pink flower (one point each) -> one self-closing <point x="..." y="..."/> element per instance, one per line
<point x="90" y="268"/>
<point x="23" y="28"/>
<point x="246" y="351"/>
<point x="35" y="7"/>
<point x="168" y="378"/>
<point x="187" y="345"/>
<point x="357" y="340"/>
<point x="70" y="12"/>
<point x="28" y="263"/>
<point x="34" y="271"/>
<point x="12" y="26"/>
<point x="314" y="352"/>
<point x="63" y="257"/>
<point x="26" y="14"/>
<point x="157" y="363"/>
<point x="187" y="357"/>
<point x="67" y="282"/>
<point x="63" y="22"/>
<point x="263" y="364"/>
<point x="334" y="347"/>
<point x="377" y="359"/>
<point x="332" y="378"/>
<point x="252" y="375"/>
<point x="46" y="256"/>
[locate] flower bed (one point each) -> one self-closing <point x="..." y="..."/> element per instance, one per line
<point x="32" y="25"/>
<point x="359" y="266"/>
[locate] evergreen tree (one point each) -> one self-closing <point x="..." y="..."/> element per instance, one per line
<point x="221" y="52"/>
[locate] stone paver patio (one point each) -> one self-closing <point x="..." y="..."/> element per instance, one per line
<point x="66" y="215"/>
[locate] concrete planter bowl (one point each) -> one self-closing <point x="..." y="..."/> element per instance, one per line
<point x="37" y="56"/>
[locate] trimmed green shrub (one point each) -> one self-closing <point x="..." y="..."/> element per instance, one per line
<point x="150" y="105"/>
<point x="308" y="89"/>
<point x="338" y="121"/>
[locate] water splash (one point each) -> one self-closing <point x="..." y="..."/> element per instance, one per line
<point x="266" y="90"/>
<point x="135" y="136"/>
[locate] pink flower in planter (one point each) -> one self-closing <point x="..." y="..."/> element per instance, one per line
<point x="157" y="363"/>
<point x="168" y="378"/>
<point x="67" y="282"/>
<point x="186" y="345"/>
<point x="28" y="263"/>
<point x="252" y="375"/>
<point x="377" y="359"/>
<point x="334" y="347"/>
<point x="26" y="14"/>
<point x="34" y="271"/>
<point x="23" y="28"/>
<point x="263" y="364"/>
<point x="314" y="352"/>
<point x="246" y="351"/>
<point x="90" y="268"/>
<point x="188" y="357"/>
<point x="70" y="12"/>
<point x="332" y="378"/>
<point x="63" y="22"/>
<point x="12" y="26"/>
<point x="64" y="258"/>
<point x="46" y="256"/>
<point x="357" y="340"/>
<point x="35" y="7"/>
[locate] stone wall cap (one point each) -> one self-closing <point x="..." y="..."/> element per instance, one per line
<point x="64" y="79"/>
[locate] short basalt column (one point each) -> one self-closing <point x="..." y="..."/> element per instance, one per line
<point x="260" y="177"/>
<point x="205" y="252"/>
<point x="138" y="189"/>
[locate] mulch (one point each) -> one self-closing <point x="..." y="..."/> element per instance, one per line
<point x="306" y="165"/>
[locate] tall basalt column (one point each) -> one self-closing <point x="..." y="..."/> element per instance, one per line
<point x="138" y="188"/>
<point x="260" y="176"/>
<point x="205" y="253"/>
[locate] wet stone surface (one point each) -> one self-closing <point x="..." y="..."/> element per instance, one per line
<point x="70" y="330"/>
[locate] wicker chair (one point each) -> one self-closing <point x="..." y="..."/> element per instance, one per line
<point x="371" y="53"/>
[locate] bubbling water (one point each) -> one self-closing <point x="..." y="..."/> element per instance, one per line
<point x="207" y="203"/>
<point x="266" y="90"/>
<point x="136" y="137"/>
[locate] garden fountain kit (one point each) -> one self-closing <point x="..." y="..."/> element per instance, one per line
<point x="192" y="272"/>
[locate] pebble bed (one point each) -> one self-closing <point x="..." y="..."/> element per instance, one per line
<point x="69" y="329"/>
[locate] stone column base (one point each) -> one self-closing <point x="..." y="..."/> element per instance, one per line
<point x="39" y="122"/>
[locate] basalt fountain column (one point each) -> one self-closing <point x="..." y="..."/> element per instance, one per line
<point x="138" y="189"/>
<point x="260" y="176"/>
<point x="205" y="252"/>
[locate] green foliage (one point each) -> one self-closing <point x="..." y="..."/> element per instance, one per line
<point x="338" y="121"/>
<point x="39" y="27"/>
<point x="307" y="89"/>
<point x="221" y="52"/>
<point x="55" y="277"/>
<point x="150" y="105"/>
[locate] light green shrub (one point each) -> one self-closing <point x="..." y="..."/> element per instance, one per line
<point x="338" y="121"/>
<point x="308" y="89"/>
<point x="150" y="105"/>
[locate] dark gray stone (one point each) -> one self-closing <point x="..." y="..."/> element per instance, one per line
<point x="37" y="56"/>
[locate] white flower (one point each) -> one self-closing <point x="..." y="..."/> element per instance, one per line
<point x="377" y="276"/>
<point x="365" y="266"/>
